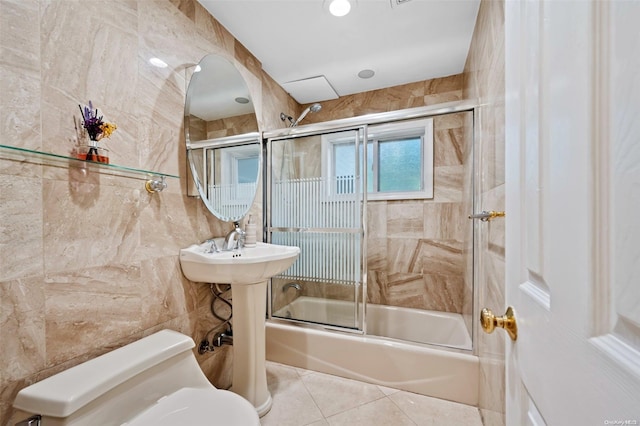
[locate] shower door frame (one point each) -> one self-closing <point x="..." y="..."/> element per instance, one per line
<point x="360" y="291"/>
<point x="472" y="106"/>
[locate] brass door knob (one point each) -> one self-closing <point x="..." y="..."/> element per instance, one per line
<point x="508" y="321"/>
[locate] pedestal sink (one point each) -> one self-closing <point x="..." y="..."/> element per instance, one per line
<point x="247" y="270"/>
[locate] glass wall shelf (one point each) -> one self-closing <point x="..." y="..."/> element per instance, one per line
<point x="46" y="158"/>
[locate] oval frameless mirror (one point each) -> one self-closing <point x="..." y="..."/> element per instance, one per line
<point x="223" y="142"/>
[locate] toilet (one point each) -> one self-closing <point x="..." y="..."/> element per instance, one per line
<point x="153" y="381"/>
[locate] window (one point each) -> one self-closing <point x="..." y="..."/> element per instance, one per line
<point x="399" y="161"/>
<point x="240" y="164"/>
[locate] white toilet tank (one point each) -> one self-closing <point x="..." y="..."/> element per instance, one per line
<point x="153" y="381"/>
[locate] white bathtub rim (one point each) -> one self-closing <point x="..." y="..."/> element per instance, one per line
<point x="380" y="340"/>
<point x="341" y="333"/>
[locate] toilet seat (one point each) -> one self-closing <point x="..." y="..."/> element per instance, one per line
<point x="193" y="406"/>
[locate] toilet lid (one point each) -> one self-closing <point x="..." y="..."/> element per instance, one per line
<point x="191" y="406"/>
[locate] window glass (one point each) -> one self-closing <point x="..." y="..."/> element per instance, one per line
<point x="345" y="165"/>
<point x="247" y="169"/>
<point x="400" y="165"/>
<point x="399" y="161"/>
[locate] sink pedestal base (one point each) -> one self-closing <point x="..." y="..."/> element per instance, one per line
<point x="249" y="370"/>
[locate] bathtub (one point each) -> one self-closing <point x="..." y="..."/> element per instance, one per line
<point x="441" y="373"/>
<point x="414" y="325"/>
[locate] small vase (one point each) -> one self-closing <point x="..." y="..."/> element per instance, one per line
<point x="92" y="152"/>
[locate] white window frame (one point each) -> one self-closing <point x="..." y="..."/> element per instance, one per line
<point x="422" y="128"/>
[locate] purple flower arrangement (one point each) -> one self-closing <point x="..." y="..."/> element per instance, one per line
<point x="94" y="124"/>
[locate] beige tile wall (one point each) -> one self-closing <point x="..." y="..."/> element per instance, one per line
<point x="484" y="79"/>
<point x="88" y="261"/>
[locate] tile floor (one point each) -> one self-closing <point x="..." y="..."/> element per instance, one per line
<point x="303" y="397"/>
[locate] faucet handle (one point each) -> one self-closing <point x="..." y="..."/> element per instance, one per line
<point x="213" y="248"/>
<point x="241" y="240"/>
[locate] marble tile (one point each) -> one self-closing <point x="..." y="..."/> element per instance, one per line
<point x="492" y="376"/>
<point x="381" y="412"/>
<point x="173" y="213"/>
<point x="81" y="229"/>
<point x="20" y="107"/>
<point x="449" y="121"/>
<point x="210" y="29"/>
<point x="165" y="291"/>
<point x="82" y="44"/>
<point x="448" y="184"/>
<point x="218" y="366"/>
<point x="335" y="394"/>
<point x="21" y="246"/>
<point x="440" y="98"/>
<point x="437" y="256"/>
<point x="89" y="308"/>
<point x="377" y="219"/>
<point x="20" y="48"/>
<point x="444" y="84"/>
<point x="292" y="402"/>
<point x="377" y="287"/>
<point x="445" y="221"/>
<point x="22" y="328"/>
<point x="405" y="290"/>
<point x="377" y="253"/>
<point x="400" y="252"/>
<point x="388" y="391"/>
<point x="187" y="7"/>
<point x="424" y="410"/>
<point x="449" y="147"/>
<point x="492" y="418"/>
<point x="405" y="219"/>
<point x="9" y="415"/>
<point x="443" y="292"/>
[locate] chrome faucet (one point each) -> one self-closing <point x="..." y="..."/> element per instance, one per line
<point x="291" y="285"/>
<point x="234" y="239"/>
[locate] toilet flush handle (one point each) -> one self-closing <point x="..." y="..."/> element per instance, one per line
<point x="31" y="421"/>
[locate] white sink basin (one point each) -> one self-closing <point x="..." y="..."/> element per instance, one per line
<point x="250" y="265"/>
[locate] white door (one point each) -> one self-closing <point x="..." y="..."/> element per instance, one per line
<point x="573" y="211"/>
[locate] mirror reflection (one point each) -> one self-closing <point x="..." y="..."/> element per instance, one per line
<point x="223" y="143"/>
<point x="227" y="177"/>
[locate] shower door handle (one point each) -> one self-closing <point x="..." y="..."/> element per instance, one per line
<point x="489" y="322"/>
<point x="486" y="216"/>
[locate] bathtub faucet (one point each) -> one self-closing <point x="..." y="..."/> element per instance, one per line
<point x="234" y="239"/>
<point x="291" y="285"/>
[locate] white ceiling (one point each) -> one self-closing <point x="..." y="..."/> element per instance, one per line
<point x="299" y="40"/>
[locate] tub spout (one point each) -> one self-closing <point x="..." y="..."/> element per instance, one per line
<point x="291" y="285"/>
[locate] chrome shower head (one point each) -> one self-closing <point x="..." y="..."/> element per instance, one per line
<point x="313" y="108"/>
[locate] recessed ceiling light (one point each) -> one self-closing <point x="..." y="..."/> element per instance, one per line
<point x="242" y="100"/>
<point x="366" y="73"/>
<point x="339" y="7"/>
<point x="157" y="62"/>
<point x="198" y="68"/>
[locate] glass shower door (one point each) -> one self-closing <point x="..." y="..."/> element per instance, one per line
<point x="315" y="200"/>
